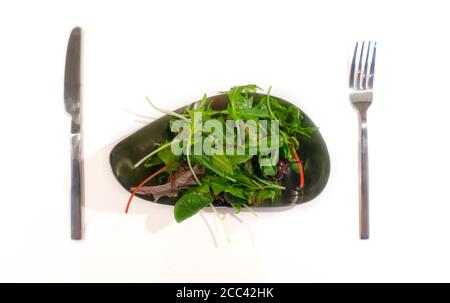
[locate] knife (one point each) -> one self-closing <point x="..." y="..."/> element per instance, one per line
<point x="72" y="104"/>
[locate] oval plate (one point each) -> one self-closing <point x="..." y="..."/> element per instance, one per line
<point x="314" y="155"/>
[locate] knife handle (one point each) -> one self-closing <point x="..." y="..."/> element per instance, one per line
<point x="75" y="192"/>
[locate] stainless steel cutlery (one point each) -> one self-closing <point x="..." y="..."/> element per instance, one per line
<point x="362" y="71"/>
<point x="361" y="80"/>
<point x="72" y="104"/>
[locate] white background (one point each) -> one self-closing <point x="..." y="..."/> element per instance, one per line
<point x="174" y="51"/>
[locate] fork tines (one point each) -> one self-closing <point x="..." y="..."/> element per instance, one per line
<point x="363" y="66"/>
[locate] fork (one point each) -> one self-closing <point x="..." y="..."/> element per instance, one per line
<point x="361" y="94"/>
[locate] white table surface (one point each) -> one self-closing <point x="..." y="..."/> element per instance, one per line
<point x="174" y="51"/>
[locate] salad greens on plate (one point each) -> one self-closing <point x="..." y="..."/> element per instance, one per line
<point x="236" y="156"/>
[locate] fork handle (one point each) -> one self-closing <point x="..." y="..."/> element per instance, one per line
<point x="363" y="179"/>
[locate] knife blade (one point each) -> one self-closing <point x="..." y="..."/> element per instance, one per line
<point x="72" y="104"/>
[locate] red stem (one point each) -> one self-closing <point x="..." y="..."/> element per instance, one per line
<point x="161" y="170"/>
<point x="300" y="166"/>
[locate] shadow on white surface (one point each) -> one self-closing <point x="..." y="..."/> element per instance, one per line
<point x="158" y="217"/>
<point x="103" y="193"/>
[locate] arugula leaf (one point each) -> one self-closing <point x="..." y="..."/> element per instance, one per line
<point x="203" y="103"/>
<point x="248" y="168"/>
<point x="294" y="142"/>
<point x="218" y="188"/>
<point x="215" y="179"/>
<point x="294" y="117"/>
<point x="191" y="202"/>
<point x="306" y="131"/>
<point x="239" y="99"/>
<point x="234" y="190"/>
<point x="239" y="159"/>
<point x="235" y="201"/>
<point x="169" y="158"/>
<point x="241" y="177"/>
<point x="269" y="170"/>
<point x="256" y="198"/>
<point x="205" y="161"/>
<point x="153" y="161"/>
<point x="221" y="163"/>
<point x="276" y="110"/>
<point x="265" y="194"/>
<point x="258" y="111"/>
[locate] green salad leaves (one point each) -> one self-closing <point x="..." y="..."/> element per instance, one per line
<point x="249" y="175"/>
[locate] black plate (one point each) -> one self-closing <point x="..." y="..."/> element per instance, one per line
<point x="314" y="155"/>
